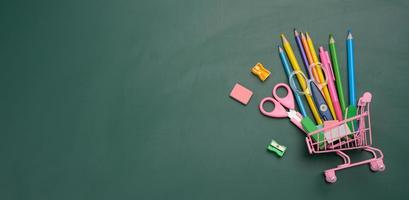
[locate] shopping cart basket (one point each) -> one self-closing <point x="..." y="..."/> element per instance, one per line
<point x="351" y="133"/>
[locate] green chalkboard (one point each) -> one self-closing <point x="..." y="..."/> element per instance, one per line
<point x="130" y="99"/>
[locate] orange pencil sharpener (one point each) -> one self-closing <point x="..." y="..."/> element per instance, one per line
<point x="260" y="71"/>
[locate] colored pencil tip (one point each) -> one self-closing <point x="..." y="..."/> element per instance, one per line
<point x="307" y="35"/>
<point x="283" y="38"/>
<point x="331" y="39"/>
<point x="280" y="49"/>
<point x="349" y="37"/>
<point x="296" y="32"/>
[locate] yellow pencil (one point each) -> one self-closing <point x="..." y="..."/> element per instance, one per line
<point x="320" y="76"/>
<point x="300" y="78"/>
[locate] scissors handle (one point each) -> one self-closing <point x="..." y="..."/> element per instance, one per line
<point x="288" y="100"/>
<point x="291" y="79"/>
<point x="278" y="110"/>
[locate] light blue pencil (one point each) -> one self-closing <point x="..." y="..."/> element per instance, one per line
<point x="287" y="70"/>
<point x="351" y="69"/>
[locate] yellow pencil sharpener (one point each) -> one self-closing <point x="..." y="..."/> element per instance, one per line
<point x="260" y="71"/>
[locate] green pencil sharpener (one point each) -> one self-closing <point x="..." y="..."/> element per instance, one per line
<point x="276" y="148"/>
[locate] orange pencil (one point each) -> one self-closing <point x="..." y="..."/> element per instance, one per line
<point x="308" y="54"/>
<point x="320" y="76"/>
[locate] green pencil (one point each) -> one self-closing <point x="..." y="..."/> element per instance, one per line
<point x="337" y="73"/>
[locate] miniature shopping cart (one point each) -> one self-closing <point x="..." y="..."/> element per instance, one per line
<point x="351" y="133"/>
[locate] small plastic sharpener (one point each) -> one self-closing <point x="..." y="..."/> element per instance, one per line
<point x="241" y="94"/>
<point x="276" y="148"/>
<point x="260" y="71"/>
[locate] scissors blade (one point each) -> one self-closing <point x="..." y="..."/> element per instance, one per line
<point x="292" y="114"/>
<point x="296" y="118"/>
<point x="320" y="102"/>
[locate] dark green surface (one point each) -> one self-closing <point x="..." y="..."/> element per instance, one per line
<point x="129" y="99"/>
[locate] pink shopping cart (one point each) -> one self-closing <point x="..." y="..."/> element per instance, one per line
<point x="351" y="133"/>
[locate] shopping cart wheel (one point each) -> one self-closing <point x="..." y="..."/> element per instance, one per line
<point x="330" y="176"/>
<point x="374" y="166"/>
<point x="381" y="166"/>
<point x="377" y="165"/>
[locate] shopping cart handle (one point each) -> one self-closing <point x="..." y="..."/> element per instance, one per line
<point x="366" y="98"/>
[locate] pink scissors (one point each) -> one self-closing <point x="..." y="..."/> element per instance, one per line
<point x="279" y="103"/>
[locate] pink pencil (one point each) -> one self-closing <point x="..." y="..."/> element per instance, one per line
<point x="326" y="64"/>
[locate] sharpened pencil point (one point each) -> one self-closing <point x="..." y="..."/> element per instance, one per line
<point x="331" y="39"/>
<point x="296" y="33"/>
<point x="307" y="35"/>
<point x="280" y="49"/>
<point x="283" y="38"/>
<point x="349" y="37"/>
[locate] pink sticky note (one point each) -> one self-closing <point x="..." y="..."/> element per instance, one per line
<point x="241" y="94"/>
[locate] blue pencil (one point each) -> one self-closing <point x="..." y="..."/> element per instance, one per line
<point x="287" y="70"/>
<point x="351" y="69"/>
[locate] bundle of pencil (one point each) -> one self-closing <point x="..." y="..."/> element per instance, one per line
<point x="324" y="73"/>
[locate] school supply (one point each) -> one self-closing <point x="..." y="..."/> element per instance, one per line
<point x="348" y="129"/>
<point x="351" y="109"/>
<point x="288" y="71"/>
<point x="276" y="148"/>
<point x="320" y="75"/>
<point x="333" y="134"/>
<point x="320" y="102"/>
<point x="310" y="127"/>
<point x="280" y="104"/>
<point x="307" y="59"/>
<point x="326" y="63"/>
<point x="241" y="94"/>
<point x="313" y="89"/>
<point x="353" y="130"/>
<point x="337" y="73"/>
<point x="337" y="142"/>
<point x="308" y="53"/>
<point x="302" y="82"/>
<point x="261" y="72"/>
<point x="304" y="123"/>
<point x="351" y="69"/>
<point x="301" y="49"/>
